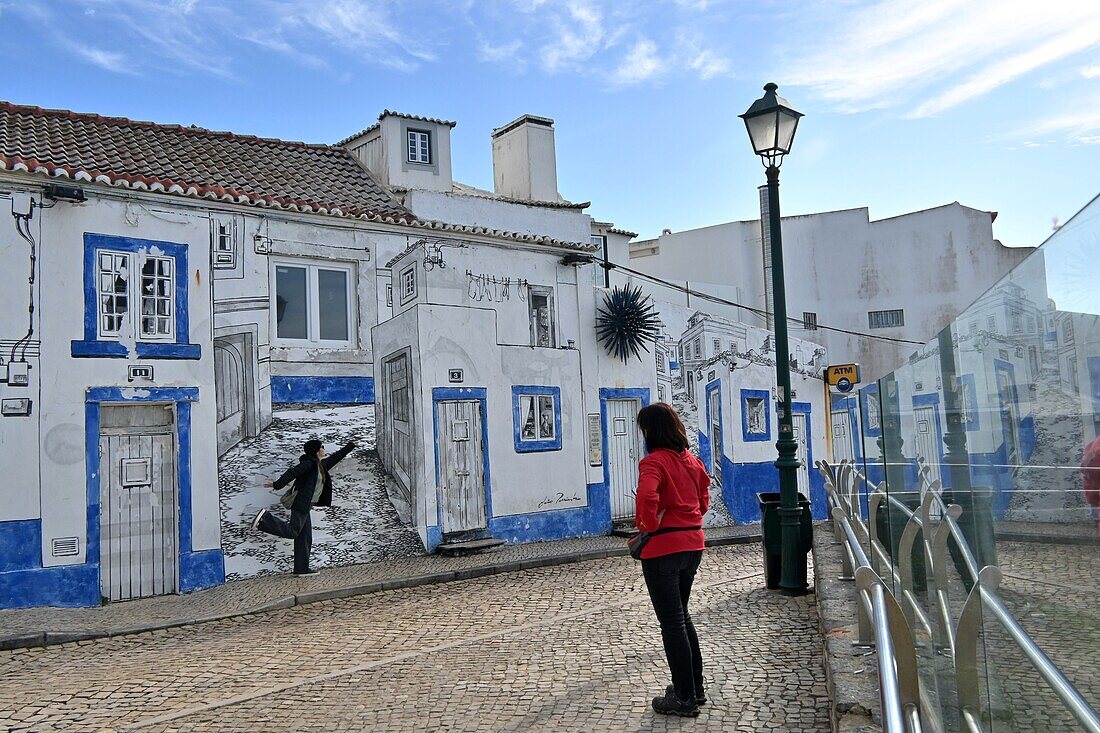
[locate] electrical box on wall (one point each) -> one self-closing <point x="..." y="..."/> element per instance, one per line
<point x="21" y="204"/>
<point x="18" y="374"/>
<point x="17" y="407"/>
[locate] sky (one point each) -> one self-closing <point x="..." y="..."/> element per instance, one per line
<point x="992" y="103"/>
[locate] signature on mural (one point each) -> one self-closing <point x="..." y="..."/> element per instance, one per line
<point x="558" y="498"/>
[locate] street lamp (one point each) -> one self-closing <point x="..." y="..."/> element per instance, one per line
<point x="771" y="123"/>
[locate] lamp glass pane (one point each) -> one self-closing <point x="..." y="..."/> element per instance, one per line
<point x="787" y="125"/>
<point x="762" y="132"/>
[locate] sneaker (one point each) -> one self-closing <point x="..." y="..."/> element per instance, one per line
<point x="670" y="704"/>
<point x="308" y="572"/>
<point x="256" y="520"/>
<point x="700" y="695"/>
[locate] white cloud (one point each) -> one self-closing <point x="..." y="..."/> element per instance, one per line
<point x="1091" y="72"/>
<point x="709" y="64"/>
<point x="578" y="34"/>
<point x="109" y="60"/>
<point x="640" y="64"/>
<point x="940" y="53"/>
<point x="505" y="53"/>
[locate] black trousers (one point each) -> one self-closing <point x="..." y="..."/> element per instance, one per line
<point x="299" y="529"/>
<point x="669" y="580"/>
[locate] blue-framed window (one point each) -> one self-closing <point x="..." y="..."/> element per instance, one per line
<point x="756" y="415"/>
<point x="135" y="290"/>
<point x="536" y="417"/>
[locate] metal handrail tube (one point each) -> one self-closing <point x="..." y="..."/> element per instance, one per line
<point x="1062" y="687"/>
<point x="892" y="718"/>
<point x="853" y="542"/>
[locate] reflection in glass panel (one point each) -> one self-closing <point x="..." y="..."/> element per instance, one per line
<point x="983" y="451"/>
<point x="291" y="308"/>
<point x="332" y="300"/>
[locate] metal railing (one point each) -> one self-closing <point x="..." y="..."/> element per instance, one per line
<point x="935" y="524"/>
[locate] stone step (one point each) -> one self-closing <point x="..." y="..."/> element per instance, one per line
<point x="468" y="547"/>
<point x="624" y="530"/>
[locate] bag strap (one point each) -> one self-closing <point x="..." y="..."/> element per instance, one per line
<point x="671" y="529"/>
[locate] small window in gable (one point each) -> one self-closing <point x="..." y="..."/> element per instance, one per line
<point x="420" y="147"/>
<point x="408" y="284"/>
<point x="224" y="243"/>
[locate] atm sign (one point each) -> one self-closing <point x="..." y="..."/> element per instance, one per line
<point x="849" y="372"/>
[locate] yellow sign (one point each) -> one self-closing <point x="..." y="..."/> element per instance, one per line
<point x="847" y="372"/>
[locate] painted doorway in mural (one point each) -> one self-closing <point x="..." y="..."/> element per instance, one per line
<point x="623" y="455"/>
<point x="233" y="380"/>
<point x="1010" y="413"/>
<point x="842" y="436"/>
<point x="461" y="465"/>
<point x="929" y="442"/>
<point x="801" y="426"/>
<point x="138" y="519"/>
<point x="714" y="414"/>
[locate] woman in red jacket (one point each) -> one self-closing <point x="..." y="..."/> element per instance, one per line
<point x="673" y="497"/>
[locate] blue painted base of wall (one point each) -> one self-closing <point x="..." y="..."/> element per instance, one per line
<point x="741" y="482"/>
<point x="435" y="538"/>
<point x="20" y="545"/>
<point x="202" y="569"/>
<point x="704" y="451"/>
<point x="559" y="524"/>
<point x="70" y="586"/>
<point x="338" y="390"/>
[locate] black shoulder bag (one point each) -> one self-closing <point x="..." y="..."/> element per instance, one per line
<point x="639" y="541"/>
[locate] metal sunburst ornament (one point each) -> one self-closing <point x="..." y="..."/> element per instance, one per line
<point x="626" y="322"/>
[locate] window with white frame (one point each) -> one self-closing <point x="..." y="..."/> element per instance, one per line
<point x="152" y="278"/>
<point x="1067" y="331"/>
<point x="224" y="236"/>
<point x="540" y="309"/>
<point x="408" y="284"/>
<point x="973" y="327"/>
<point x="660" y="361"/>
<point x="991" y="322"/>
<point x="717" y="347"/>
<point x="886" y="319"/>
<point x="420" y="147"/>
<point x="537" y="418"/>
<point x="698" y="348"/>
<point x="389" y="295"/>
<point x="809" y="321"/>
<point x="313" y="303"/>
<point x="1017" y="324"/>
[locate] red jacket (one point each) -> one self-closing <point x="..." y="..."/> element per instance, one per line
<point x="1090" y="472"/>
<point x="675" y="484"/>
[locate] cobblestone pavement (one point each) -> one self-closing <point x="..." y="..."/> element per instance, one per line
<point x="563" y="648"/>
<point x="245" y="596"/>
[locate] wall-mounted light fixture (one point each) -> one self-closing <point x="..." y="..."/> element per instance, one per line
<point x="65" y="192"/>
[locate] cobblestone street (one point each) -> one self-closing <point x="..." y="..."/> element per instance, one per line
<point x="570" y="647"/>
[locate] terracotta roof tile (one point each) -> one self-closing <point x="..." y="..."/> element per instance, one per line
<point x="192" y="161"/>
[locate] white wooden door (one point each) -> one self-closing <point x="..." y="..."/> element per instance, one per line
<point x="715" y="430"/>
<point x="230" y="391"/>
<point x="623" y="454"/>
<point x="801" y="427"/>
<point x="928" y="440"/>
<point x="842" y="437"/>
<point x="461" y="465"/>
<point x="138" y="516"/>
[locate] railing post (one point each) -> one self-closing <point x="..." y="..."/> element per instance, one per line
<point x="939" y="559"/>
<point x="873" y="503"/>
<point x="968" y="633"/>
<point x="865" y="578"/>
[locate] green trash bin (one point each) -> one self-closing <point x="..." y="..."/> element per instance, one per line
<point x="772" y="530"/>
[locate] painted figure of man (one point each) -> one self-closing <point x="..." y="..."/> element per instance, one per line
<point x="313" y="487"/>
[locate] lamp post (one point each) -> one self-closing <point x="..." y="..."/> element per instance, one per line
<point x="771" y="124"/>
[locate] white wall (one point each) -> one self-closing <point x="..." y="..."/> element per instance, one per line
<point x="64" y="379"/>
<point x="567" y="225"/>
<point x="840" y="265"/>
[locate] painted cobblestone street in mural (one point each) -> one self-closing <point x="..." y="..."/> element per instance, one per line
<point x="361" y="526"/>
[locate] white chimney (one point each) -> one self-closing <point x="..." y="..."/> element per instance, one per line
<point x="524" y="161"/>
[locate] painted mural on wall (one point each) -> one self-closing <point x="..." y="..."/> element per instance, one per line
<point x="363" y="524"/>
